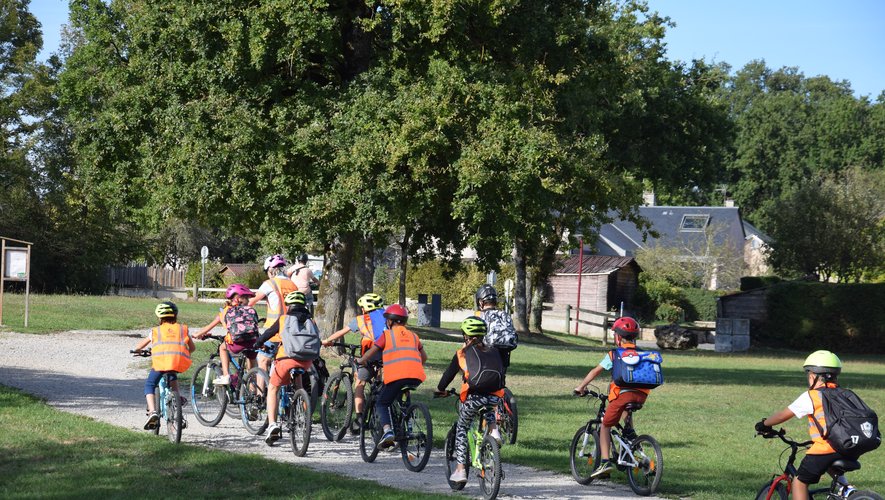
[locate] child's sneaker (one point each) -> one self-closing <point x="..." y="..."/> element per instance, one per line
<point x="222" y="380"/>
<point x="153" y="422"/>
<point x="274" y="434"/>
<point x="459" y="476"/>
<point x="605" y="467"/>
<point x="387" y="439"/>
<point x="496" y="435"/>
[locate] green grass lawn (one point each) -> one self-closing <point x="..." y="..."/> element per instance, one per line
<point x="45" y="453"/>
<point x="703" y="416"/>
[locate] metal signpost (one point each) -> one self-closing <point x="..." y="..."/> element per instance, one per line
<point x="580" y="273"/>
<point x="204" y="256"/>
<point x="15" y="265"/>
<point x="508" y="290"/>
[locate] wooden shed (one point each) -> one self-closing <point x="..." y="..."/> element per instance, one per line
<point x="606" y="281"/>
<point x="238" y="270"/>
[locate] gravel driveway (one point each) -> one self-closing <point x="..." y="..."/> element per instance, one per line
<point x="91" y="373"/>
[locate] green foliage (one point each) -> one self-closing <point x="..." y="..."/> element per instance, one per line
<point x="194" y="275"/>
<point x="253" y="278"/>
<point x="698" y="304"/>
<point x="669" y="313"/>
<point x="837" y="317"/>
<point x="754" y="282"/>
<point x="457" y="290"/>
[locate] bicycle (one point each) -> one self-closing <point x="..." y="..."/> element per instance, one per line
<point x="507" y="417"/>
<point x="210" y="402"/>
<point x="168" y="404"/>
<point x="412" y="426"/>
<point x="640" y="456"/>
<point x="779" y="487"/>
<point x="294" y="413"/>
<point x="337" y="406"/>
<point x="483" y="453"/>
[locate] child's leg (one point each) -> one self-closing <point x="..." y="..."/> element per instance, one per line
<point x="225" y="359"/>
<point x="150" y="385"/>
<point x="605" y="441"/>
<point x="359" y="395"/>
<point x="800" y="490"/>
<point x="491" y="401"/>
<point x="467" y="413"/>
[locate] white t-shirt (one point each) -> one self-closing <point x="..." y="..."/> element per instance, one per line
<point x="803" y="406"/>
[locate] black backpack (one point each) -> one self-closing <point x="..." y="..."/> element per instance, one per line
<point x="852" y="427"/>
<point x="485" y="371"/>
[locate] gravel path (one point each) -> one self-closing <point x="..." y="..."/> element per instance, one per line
<point x="91" y="373"/>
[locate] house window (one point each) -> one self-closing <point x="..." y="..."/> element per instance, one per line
<point x="694" y="222"/>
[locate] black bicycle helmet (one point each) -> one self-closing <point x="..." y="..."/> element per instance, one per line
<point x="486" y="293"/>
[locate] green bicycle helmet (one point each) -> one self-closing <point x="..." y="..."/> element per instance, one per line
<point x="166" y="310"/>
<point x="370" y="301"/>
<point x="295" y="298"/>
<point x="823" y="363"/>
<point x="473" y="326"/>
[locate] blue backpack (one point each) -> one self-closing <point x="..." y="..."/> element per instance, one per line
<point x="634" y="369"/>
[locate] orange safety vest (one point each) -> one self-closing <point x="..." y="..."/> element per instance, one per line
<point x="462" y="363"/>
<point x="169" y="350"/>
<point x="282" y="287"/>
<point x="221" y="314"/>
<point x="614" y="390"/>
<point x="364" y="324"/>
<point x="819" y="445"/>
<point x="402" y="355"/>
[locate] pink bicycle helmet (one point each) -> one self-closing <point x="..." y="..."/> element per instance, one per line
<point x="238" y="289"/>
<point x="274" y="261"/>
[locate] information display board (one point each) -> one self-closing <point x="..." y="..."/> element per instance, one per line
<point x="16" y="260"/>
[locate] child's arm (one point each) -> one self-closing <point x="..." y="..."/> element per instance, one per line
<point x="368" y="355"/>
<point x="206" y="329"/>
<point x="144" y="343"/>
<point x="191" y="347"/>
<point x="423" y="355"/>
<point x="335" y="336"/>
<point x="778" y="417"/>
<point x="258" y="297"/>
<point x="589" y="378"/>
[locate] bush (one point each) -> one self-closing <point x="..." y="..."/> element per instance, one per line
<point x="838" y="317"/>
<point x="699" y="304"/>
<point x="429" y="278"/>
<point x="754" y="282"/>
<point x="213" y="274"/>
<point x="669" y="313"/>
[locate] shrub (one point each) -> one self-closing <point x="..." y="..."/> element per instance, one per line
<point x="669" y="313"/>
<point x="754" y="282"/>
<point x="430" y="278"/>
<point x="699" y="304"/>
<point x="213" y="275"/>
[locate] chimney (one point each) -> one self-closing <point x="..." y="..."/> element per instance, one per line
<point x="648" y="198"/>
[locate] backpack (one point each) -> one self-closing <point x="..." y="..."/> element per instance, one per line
<point x="501" y="333"/>
<point x="485" y="371"/>
<point x="635" y="369"/>
<point x="300" y="340"/>
<point x="852" y="427"/>
<point x="242" y="323"/>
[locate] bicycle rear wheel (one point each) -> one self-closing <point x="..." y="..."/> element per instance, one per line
<point x="253" y="393"/>
<point x="508" y="417"/>
<point x="370" y="433"/>
<point x="173" y="416"/>
<point x="160" y="405"/>
<point x="490" y="475"/>
<point x="645" y="477"/>
<point x="864" y="495"/>
<point x="336" y="409"/>
<point x="418" y="440"/>
<point x="208" y="401"/>
<point x="299" y="425"/>
<point x="451" y="463"/>
<point x="778" y="492"/>
<point x="583" y="457"/>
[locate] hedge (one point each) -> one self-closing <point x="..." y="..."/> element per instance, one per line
<point x="754" y="282"/>
<point x="837" y="317"/>
<point x="698" y="304"/>
<point x="429" y="278"/>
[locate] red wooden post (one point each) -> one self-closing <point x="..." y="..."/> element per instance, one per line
<point x="580" y="272"/>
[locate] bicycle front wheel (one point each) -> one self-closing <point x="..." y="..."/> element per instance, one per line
<point x="418" y="440"/>
<point x="336" y="409"/>
<point x="451" y="463"/>
<point x="584" y="454"/>
<point x="208" y="401"/>
<point x="645" y="476"/>
<point x="253" y="394"/>
<point x="772" y="492"/>
<point x="370" y="433"/>
<point x="490" y="474"/>
<point x="299" y="415"/>
<point x="508" y="417"/>
<point x="173" y="416"/>
<point x="864" y="495"/>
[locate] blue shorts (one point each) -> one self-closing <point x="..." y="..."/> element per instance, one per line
<point x="153" y="380"/>
<point x="270" y="349"/>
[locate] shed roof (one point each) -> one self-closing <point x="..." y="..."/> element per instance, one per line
<point x="237" y="269"/>
<point x="593" y="264"/>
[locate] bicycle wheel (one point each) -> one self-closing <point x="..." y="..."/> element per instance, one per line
<point x="173" y="416"/>
<point x="779" y="492"/>
<point x="370" y="433"/>
<point x="451" y="463"/>
<point x="864" y="495"/>
<point x="508" y="418"/>
<point x="418" y="440"/>
<point x="336" y="409"/>
<point x="233" y="409"/>
<point x="490" y="474"/>
<point x="584" y="454"/>
<point x="314" y="386"/>
<point x="645" y="477"/>
<point x="253" y="393"/>
<point x="208" y="401"/>
<point x="160" y="405"/>
<point x="299" y="415"/>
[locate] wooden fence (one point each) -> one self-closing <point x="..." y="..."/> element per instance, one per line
<point x="144" y="276"/>
<point x="600" y="320"/>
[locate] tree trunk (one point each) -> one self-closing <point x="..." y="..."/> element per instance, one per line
<point x="537" y="308"/>
<point x="403" y="264"/>
<point x="519" y="292"/>
<point x="330" y="310"/>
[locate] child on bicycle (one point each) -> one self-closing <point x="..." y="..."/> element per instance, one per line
<point x="821" y="370"/>
<point x="171" y="349"/>
<point x="303" y="277"/>
<point x="237" y="295"/>
<point x="274" y="289"/>
<point x="279" y="376"/>
<point x="403" y="357"/>
<point x="472" y="400"/>
<point x="626" y="330"/>
<point x="501" y="333"/>
<point x="370" y="325"/>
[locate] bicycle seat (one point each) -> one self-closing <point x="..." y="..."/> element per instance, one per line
<point x="409" y="388"/>
<point x="845" y="465"/>
<point x="633" y="406"/>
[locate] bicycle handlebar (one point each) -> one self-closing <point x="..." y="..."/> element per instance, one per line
<point x="144" y="353"/>
<point x="590" y="393"/>
<point x="782" y="434"/>
<point x="447" y="393"/>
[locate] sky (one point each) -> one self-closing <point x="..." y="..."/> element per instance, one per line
<point x="844" y="40"/>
